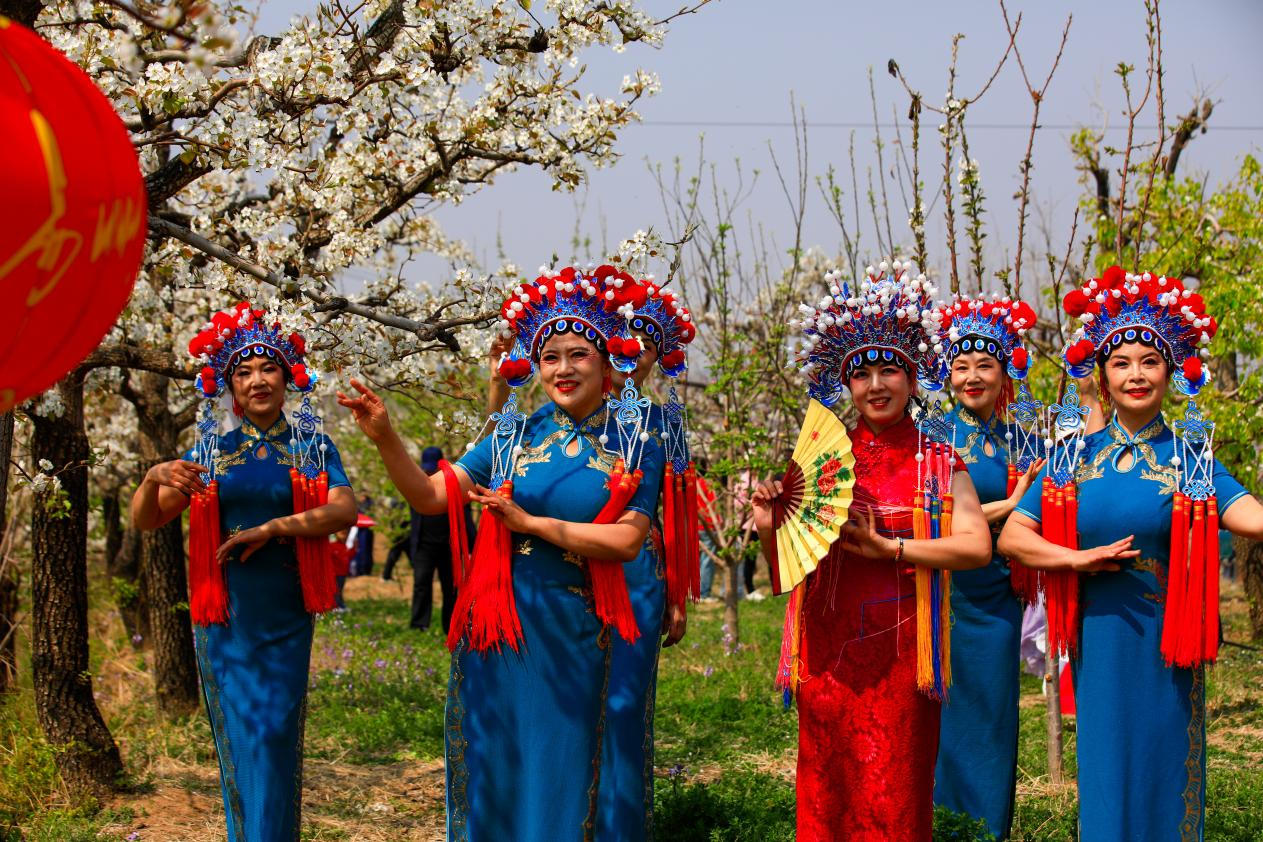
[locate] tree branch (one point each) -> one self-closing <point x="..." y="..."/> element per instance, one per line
<point x="426" y="331"/>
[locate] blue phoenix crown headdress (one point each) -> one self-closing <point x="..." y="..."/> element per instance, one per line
<point x="887" y="318"/>
<point x="561" y="303"/>
<point x="994" y="327"/>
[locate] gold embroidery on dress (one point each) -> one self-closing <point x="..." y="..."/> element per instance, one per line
<point x="1193" y="763"/>
<point x="1164" y="476"/>
<point x="1159" y="573"/>
<point x="1143" y="452"/>
<point x="525" y="547"/>
<point x="571" y="558"/>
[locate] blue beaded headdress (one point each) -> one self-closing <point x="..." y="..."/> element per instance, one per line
<point x="1160" y="312"/>
<point x="886" y="319"/>
<point x="994" y="327"/>
<point x="565" y="302"/>
<point x="232" y="336"/>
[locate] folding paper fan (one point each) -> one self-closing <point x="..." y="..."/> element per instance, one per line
<point x="817" y="494"/>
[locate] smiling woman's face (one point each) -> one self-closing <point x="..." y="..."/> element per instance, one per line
<point x="1136" y="376"/>
<point x="572" y="372"/>
<point x="258" y="385"/>
<point x="880" y="392"/>
<point x="976" y="381"/>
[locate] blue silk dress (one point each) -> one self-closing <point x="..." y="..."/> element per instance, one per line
<point x="625" y="804"/>
<point x="524" y="729"/>
<point x="254" y="668"/>
<point x="976" y="772"/>
<point x="1141" y="724"/>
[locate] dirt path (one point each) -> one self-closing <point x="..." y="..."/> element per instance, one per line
<point x="401" y="801"/>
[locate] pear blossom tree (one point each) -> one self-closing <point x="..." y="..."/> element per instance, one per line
<point x="276" y="164"/>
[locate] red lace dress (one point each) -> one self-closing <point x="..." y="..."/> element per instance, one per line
<point x="867" y="738"/>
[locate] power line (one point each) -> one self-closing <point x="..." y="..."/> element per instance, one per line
<point x="777" y="124"/>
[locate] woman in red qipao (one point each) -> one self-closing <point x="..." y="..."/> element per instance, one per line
<point x="868" y="737"/>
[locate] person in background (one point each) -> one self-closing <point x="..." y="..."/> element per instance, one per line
<point x="342" y="548"/>
<point x="709" y="536"/>
<point x="430" y="548"/>
<point x="362" y="561"/>
<point x="401" y="535"/>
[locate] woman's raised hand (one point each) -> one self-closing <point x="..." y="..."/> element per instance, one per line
<point x="182" y="475"/>
<point x="765" y="493"/>
<point x="1025" y="480"/>
<point x="369" y="411"/>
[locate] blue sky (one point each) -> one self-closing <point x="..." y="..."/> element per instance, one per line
<point x="729" y="72"/>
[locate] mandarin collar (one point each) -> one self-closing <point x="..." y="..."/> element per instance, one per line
<point x="864" y="434"/>
<point x="277" y="431"/>
<point x="968" y="416"/>
<point x="1119" y="433"/>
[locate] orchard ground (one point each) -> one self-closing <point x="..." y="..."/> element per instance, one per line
<point x="374" y="770"/>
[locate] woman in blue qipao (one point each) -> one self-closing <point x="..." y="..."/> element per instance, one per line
<point x="1141" y="726"/>
<point x="625" y="802"/>
<point x="976" y="773"/>
<point x="525" y="719"/>
<point x="253" y="657"/>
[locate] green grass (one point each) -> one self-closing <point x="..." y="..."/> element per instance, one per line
<point x="725" y="743"/>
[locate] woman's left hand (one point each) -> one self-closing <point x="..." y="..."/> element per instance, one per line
<point x="860" y="536"/>
<point x="251" y="540"/>
<point x="514" y="517"/>
<point x="674" y="623"/>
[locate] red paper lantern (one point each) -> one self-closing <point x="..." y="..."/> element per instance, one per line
<point x="72" y="219"/>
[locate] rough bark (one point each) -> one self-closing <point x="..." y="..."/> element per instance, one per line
<point x="23" y="11"/>
<point x="162" y="557"/>
<point x="1250" y="563"/>
<point x="85" y="752"/>
<point x="9" y="583"/>
<point x="122" y="564"/>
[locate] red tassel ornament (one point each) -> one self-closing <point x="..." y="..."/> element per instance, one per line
<point x="486" y="598"/>
<point x="457" y="537"/>
<point x="208" y="591"/>
<point x="609" y="585"/>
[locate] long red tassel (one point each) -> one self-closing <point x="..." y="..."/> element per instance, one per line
<point x="315" y="561"/>
<point x="1189" y="650"/>
<point x="487" y="598"/>
<point x="1022" y="579"/>
<point x="1177" y="579"/>
<point x="208" y="591"/>
<point x="609" y="584"/>
<point x="1210" y="633"/>
<point x="457" y="537"/>
<point x="677" y="580"/>
<point x="1060" y="586"/>
<point x="693" y="526"/>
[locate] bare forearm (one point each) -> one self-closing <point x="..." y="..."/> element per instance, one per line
<point x="417" y="487"/>
<point x="616" y="541"/>
<point x="148" y="510"/>
<point x="1245" y="518"/>
<point x="1025" y="545"/>
<point x="960" y="551"/>
<point x="315" y="523"/>
<point x="497" y="393"/>
<point x="997" y="510"/>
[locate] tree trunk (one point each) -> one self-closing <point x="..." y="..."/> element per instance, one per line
<point x="85" y="752"/>
<point x="1250" y="563"/>
<point x="9" y="585"/>
<point x="162" y="562"/>
<point x="122" y="564"/>
<point x="23" y="11"/>
<point x="1052" y="677"/>
<point x="732" y="620"/>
